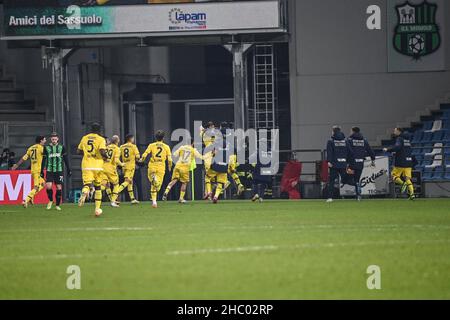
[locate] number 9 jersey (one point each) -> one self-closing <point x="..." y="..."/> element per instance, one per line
<point x="91" y="144"/>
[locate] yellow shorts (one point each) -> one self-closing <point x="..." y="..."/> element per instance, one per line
<point x="37" y="180"/>
<point x="128" y="173"/>
<point x="217" y="176"/>
<point x="158" y="172"/>
<point x="181" y="174"/>
<point x="207" y="160"/>
<point x="92" y="177"/>
<point x="399" y="172"/>
<point x="110" y="176"/>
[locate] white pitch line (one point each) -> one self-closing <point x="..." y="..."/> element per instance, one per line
<point x="81" y="229"/>
<point x="225" y="250"/>
<point x="301" y="246"/>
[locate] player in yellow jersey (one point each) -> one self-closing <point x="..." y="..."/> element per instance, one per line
<point x="93" y="148"/>
<point x="110" y="177"/>
<point x="130" y="154"/>
<point x="36" y="155"/>
<point x="232" y="172"/>
<point x="185" y="154"/>
<point x="159" y="153"/>
<point x="208" y="136"/>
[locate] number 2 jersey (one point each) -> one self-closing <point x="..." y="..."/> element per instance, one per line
<point x="91" y="144"/>
<point x="129" y="154"/>
<point x="35" y="153"/>
<point x="160" y="152"/>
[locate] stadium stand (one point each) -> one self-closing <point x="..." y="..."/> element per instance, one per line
<point x="431" y="143"/>
<point x="20" y="121"/>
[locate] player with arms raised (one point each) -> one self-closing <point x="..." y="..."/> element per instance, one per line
<point x="185" y="154"/>
<point x="36" y="155"/>
<point x="159" y="153"/>
<point x="93" y="148"/>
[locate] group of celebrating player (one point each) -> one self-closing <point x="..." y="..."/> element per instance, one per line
<point x="102" y="157"/>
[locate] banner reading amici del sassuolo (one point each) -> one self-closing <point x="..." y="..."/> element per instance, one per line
<point x="63" y="21"/>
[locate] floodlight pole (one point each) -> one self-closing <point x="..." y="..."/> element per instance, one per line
<point x="58" y="57"/>
<point x="238" y="50"/>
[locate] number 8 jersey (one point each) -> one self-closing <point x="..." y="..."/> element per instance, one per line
<point x="129" y="154"/>
<point x="91" y="144"/>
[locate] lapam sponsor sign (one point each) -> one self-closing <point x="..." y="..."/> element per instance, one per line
<point x="40" y="22"/>
<point x="374" y="181"/>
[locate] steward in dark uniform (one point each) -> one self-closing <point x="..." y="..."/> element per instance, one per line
<point x="338" y="153"/>
<point x="360" y="149"/>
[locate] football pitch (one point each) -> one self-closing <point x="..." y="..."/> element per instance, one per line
<point x="232" y="250"/>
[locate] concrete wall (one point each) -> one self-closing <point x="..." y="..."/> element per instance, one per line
<point x="25" y="65"/>
<point x="339" y="73"/>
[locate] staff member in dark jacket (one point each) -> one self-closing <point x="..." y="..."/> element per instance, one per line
<point x="338" y="153"/>
<point x="403" y="161"/>
<point x="360" y="149"/>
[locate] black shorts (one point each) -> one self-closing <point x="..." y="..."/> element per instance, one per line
<point x="55" y="177"/>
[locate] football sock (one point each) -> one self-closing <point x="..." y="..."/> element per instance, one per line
<point x="153" y="193"/>
<point x="50" y="195"/>
<point x="130" y="192"/>
<point x="58" y="197"/>
<point x="410" y="187"/>
<point x="109" y="193"/>
<point x="182" y="193"/>
<point x="219" y="189"/>
<point x="166" y="192"/>
<point x="115" y="193"/>
<point x="98" y="197"/>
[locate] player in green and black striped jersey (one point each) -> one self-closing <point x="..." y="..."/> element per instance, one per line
<point x="55" y="160"/>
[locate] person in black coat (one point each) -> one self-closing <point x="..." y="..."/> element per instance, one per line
<point x="360" y="149"/>
<point x="338" y="153"/>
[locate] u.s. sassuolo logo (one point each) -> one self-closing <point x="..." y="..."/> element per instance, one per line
<point x="416" y="34"/>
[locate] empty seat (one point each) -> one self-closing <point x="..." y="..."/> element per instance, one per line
<point x="446" y="125"/>
<point x="437" y="149"/>
<point x="438" y="175"/>
<point x="447" y="174"/>
<point x="446" y="114"/>
<point x="423" y="163"/>
<point x="417" y="137"/>
<point x="427" y="125"/>
<point x="427" y="136"/>
<point x="437" y="162"/>
<point x="416" y="151"/>
<point x="446" y="137"/>
<point x="437" y="136"/>
<point x="427" y="174"/>
<point x="436" y="126"/>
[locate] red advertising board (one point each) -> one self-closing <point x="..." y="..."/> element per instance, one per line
<point x="15" y="185"/>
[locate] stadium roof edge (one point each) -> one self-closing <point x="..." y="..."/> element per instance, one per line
<point x="151" y="41"/>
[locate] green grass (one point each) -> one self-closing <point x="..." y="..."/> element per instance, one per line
<point x="233" y="250"/>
